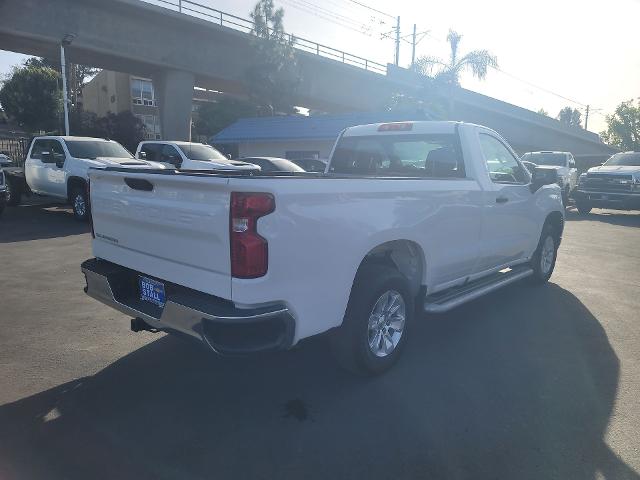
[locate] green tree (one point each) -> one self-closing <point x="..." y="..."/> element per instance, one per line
<point x="31" y="97"/>
<point x="124" y="127"/>
<point x="448" y="71"/>
<point x="212" y="117"/>
<point x="542" y="111"/>
<point x="623" y="127"/>
<point x="571" y="117"/>
<point x="273" y="77"/>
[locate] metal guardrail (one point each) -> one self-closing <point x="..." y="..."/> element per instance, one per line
<point x="224" y="19"/>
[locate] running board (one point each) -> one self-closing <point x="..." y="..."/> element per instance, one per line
<point x="444" y="301"/>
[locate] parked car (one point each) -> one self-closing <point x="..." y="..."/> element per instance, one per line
<point x="273" y="164"/>
<point x="15" y="184"/>
<point x="566" y="165"/>
<point x="188" y="156"/>
<point x="615" y="184"/>
<point x="433" y="214"/>
<point x="3" y="191"/>
<point x="57" y="166"/>
<point x="311" y="164"/>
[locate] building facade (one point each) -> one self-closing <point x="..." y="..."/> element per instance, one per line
<point x="118" y="92"/>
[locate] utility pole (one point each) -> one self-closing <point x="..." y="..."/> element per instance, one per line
<point x="398" y="42"/>
<point x="413" y="47"/>
<point x="586" y="119"/>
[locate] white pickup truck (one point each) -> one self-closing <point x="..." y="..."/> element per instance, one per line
<point x="428" y="214"/>
<point x="58" y="166"/>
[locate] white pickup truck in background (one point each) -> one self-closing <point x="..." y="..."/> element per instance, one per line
<point x="58" y="166"/>
<point x="428" y="214"/>
<point x="564" y="163"/>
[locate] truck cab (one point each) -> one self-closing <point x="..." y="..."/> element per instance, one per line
<point x="188" y="156"/>
<point x="563" y="162"/>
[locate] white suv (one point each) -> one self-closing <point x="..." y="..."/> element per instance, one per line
<point x="188" y="156"/>
<point x="58" y="166"/>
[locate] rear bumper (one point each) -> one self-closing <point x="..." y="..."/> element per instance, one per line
<point x="216" y="322"/>
<point x="612" y="200"/>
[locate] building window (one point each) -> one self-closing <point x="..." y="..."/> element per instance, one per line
<point x="142" y="92"/>
<point x="152" y="126"/>
<point x="302" y="155"/>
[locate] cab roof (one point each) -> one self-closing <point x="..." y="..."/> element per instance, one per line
<point x="408" y="127"/>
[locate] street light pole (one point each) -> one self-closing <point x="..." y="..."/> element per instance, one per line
<point x="64" y="89"/>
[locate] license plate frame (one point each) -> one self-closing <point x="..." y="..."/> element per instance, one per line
<point x="152" y="291"/>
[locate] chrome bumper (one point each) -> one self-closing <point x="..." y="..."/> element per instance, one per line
<point x="215" y="322"/>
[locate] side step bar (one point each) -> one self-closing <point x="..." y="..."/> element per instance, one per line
<point x="444" y="301"/>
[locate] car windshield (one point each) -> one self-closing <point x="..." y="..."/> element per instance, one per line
<point x="95" y="149"/>
<point x="201" y="152"/>
<point x="552" y="159"/>
<point x="624" y="160"/>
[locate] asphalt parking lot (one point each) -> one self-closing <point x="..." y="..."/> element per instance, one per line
<point x="527" y="383"/>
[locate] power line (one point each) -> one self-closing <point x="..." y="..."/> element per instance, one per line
<point x="330" y="13"/>
<point x="372" y="9"/>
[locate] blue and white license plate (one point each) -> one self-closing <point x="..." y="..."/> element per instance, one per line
<point x="151" y="291"/>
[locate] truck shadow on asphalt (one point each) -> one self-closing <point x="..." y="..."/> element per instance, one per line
<point x="517" y="385"/>
<point x="612" y="217"/>
<point x="39" y="221"/>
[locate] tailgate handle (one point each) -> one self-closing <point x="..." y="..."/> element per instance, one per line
<point x="139" y="184"/>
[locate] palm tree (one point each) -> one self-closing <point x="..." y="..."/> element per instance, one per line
<point x="476" y="61"/>
<point x="447" y="72"/>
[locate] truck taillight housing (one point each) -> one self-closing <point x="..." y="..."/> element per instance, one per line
<point x="249" y="251"/>
<point x="93" y="233"/>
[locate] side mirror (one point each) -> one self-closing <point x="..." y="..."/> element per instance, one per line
<point x="60" y="162"/>
<point x="543" y="176"/>
<point x="142" y="155"/>
<point x="47" y="157"/>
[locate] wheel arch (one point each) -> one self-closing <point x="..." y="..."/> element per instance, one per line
<point x="556" y="220"/>
<point x="73" y="183"/>
<point x="406" y="256"/>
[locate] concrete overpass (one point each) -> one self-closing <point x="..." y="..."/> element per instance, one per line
<point x="180" y="51"/>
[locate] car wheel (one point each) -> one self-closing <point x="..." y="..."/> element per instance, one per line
<point x="544" y="258"/>
<point x="583" y="208"/>
<point x="374" y="330"/>
<point x="80" y="205"/>
<point x="13" y="194"/>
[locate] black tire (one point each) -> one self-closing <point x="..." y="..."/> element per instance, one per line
<point x="583" y="208"/>
<point x="14" y="194"/>
<point x="543" y="268"/>
<point x="80" y="204"/>
<point x="350" y="342"/>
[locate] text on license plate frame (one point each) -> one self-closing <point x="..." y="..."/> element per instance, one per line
<point x="152" y="291"/>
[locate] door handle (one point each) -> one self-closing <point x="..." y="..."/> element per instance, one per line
<point x="139" y="184"/>
<point x="502" y="200"/>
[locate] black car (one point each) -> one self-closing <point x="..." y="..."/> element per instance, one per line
<point x="273" y="164"/>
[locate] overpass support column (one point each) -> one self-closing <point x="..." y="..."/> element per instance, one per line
<point x="174" y="91"/>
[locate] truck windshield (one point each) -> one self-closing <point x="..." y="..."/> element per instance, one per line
<point x="551" y="159"/>
<point x="628" y="159"/>
<point x="94" y="149"/>
<point x="415" y="155"/>
<point x="201" y="152"/>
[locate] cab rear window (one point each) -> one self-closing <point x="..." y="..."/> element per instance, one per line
<point x="430" y="156"/>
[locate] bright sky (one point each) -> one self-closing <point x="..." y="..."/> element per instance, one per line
<point x="584" y="50"/>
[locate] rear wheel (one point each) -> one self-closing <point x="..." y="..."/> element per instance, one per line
<point x="374" y="330"/>
<point x="13" y="194"/>
<point x="544" y="258"/>
<point x="80" y="204"/>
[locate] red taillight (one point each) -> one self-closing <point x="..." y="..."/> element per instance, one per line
<point x="93" y="233"/>
<point x="249" y="251"/>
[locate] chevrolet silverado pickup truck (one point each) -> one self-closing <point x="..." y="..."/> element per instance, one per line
<point x="412" y="216"/>
<point x="58" y="166"/>
<point x="564" y="163"/>
<point x="614" y="185"/>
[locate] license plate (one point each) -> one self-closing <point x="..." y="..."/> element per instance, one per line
<point x="151" y="291"/>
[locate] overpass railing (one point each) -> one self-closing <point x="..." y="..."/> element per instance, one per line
<point x="224" y="19"/>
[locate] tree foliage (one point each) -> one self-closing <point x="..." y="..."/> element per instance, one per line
<point x="448" y="71"/>
<point x="213" y="117"/>
<point x="124" y="127"/>
<point x="31" y="97"/>
<point x="274" y="76"/>
<point x="623" y="127"/>
<point x="571" y="117"/>
<point x="542" y="111"/>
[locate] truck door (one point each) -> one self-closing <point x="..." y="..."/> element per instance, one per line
<point x="508" y="224"/>
<point x="56" y="176"/>
<point x="34" y="167"/>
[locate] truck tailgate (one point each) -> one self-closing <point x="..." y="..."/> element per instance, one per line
<point x="170" y="226"/>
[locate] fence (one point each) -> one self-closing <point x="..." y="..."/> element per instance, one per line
<point x="15" y="148"/>
<point x="224" y="19"/>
